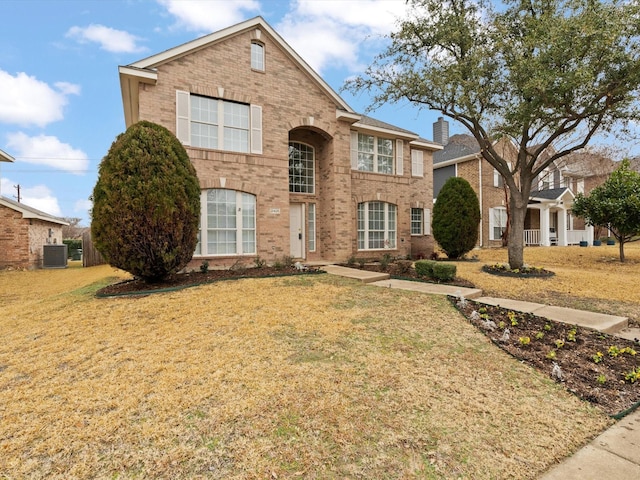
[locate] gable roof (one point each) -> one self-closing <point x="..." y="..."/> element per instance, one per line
<point x="551" y="195"/>
<point x="5" y="157"/>
<point x="459" y="147"/>
<point x="144" y="71"/>
<point x="30" y="212"/>
<point x="371" y="124"/>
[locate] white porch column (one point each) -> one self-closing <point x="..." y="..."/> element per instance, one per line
<point x="544" y="226"/>
<point x="562" y="226"/>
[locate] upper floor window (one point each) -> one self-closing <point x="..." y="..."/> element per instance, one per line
<point x="417" y="163"/>
<point x="377" y="225"/>
<point x="373" y="154"/>
<point x="213" y="123"/>
<point x="301" y="168"/>
<point x="257" y="56"/>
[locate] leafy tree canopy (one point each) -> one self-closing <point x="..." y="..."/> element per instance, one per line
<point x="546" y="74"/>
<point x="615" y="204"/>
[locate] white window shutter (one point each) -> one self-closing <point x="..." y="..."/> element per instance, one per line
<point x="427" y="221"/>
<point x="492" y="222"/>
<point x="417" y="163"/>
<point x="354" y="150"/>
<point x="399" y="157"/>
<point x="183" y="122"/>
<point x="256" y="129"/>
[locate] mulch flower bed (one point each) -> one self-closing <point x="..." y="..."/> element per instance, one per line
<point x="599" y="368"/>
<point x="178" y="281"/>
<point x="524" y="272"/>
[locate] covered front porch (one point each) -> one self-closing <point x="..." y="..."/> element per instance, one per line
<point x="549" y="220"/>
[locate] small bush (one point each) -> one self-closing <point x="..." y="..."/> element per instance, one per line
<point x="351" y="261"/>
<point x="384" y="262"/>
<point x="404" y="266"/>
<point x="259" y="262"/>
<point x="444" y="271"/>
<point x="424" y="268"/>
<point x="204" y="266"/>
<point x="361" y="262"/>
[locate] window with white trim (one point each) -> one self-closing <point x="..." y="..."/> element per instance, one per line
<point x="227" y="223"/>
<point x="311" y="227"/>
<point x="257" y="56"/>
<point x="373" y="154"/>
<point x="301" y="168"/>
<point x="377" y="223"/>
<point x="417" y="163"/>
<point x="417" y="218"/>
<point x="498" y="181"/>
<point x="213" y="123"/>
<point x="497" y="222"/>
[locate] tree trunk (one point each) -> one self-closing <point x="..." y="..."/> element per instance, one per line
<point x="517" y="214"/>
<point x="621" y="248"/>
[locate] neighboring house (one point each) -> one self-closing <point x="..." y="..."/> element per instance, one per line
<point x="548" y="220"/>
<point x="24" y="231"/>
<point x="286" y="167"/>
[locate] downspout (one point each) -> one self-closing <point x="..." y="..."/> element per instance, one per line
<point x="481" y="205"/>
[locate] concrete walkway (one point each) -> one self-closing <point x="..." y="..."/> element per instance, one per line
<point x="613" y="454"/>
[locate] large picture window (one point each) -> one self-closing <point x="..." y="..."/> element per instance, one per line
<point x="219" y="124"/>
<point x="376" y="225"/>
<point x="375" y="154"/>
<point x="301" y="168"/>
<point x="213" y="123"/>
<point x="227" y="223"/>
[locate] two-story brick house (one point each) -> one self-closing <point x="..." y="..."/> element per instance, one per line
<point x="548" y="221"/>
<point x="286" y="167"/>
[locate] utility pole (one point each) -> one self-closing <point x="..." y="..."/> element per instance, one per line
<point x="17" y="187"/>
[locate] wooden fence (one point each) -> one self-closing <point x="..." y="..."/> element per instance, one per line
<point x="90" y="256"/>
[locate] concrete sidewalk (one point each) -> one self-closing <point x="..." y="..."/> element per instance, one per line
<point x="613" y="454"/>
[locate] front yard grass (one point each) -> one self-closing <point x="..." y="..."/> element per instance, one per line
<point x="589" y="278"/>
<point x="299" y="377"/>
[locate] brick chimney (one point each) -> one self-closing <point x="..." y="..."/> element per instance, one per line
<point x="441" y="131"/>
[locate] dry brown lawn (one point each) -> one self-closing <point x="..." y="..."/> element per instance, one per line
<point x="589" y="278"/>
<point x="299" y="377"/>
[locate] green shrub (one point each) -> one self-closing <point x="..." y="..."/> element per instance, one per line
<point x="456" y="217"/>
<point x="444" y="271"/>
<point x="146" y="203"/>
<point x="424" y="268"/>
<point x="404" y="266"/>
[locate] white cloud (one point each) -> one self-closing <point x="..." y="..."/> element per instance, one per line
<point x="47" y="150"/>
<point x="336" y="33"/>
<point x="377" y="16"/>
<point x="41" y="198"/>
<point x="197" y="15"/>
<point x="83" y="206"/>
<point x="38" y="197"/>
<point x="109" y="39"/>
<point x="25" y="100"/>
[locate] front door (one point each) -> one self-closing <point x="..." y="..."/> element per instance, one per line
<point x="296" y="234"/>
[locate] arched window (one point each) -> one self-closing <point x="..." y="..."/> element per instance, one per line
<point x="377" y="225"/>
<point x="227" y="223"/>
<point x="301" y="168"/>
<point x="257" y="56"/>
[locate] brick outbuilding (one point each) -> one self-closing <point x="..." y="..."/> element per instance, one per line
<point x="24" y="231"/>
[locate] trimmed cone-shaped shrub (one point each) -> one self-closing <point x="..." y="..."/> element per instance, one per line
<point x="146" y="203"/>
<point x="456" y="217"/>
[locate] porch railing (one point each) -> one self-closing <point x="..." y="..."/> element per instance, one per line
<point x="532" y="237"/>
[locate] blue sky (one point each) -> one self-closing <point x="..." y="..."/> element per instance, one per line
<point x="60" y="103"/>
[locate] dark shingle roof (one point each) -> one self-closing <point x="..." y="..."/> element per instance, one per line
<point x="372" y="122"/>
<point x="460" y="145"/>
<point x="549" y="194"/>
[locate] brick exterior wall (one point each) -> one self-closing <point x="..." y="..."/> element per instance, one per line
<point x="22" y="239"/>
<point x="294" y="108"/>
